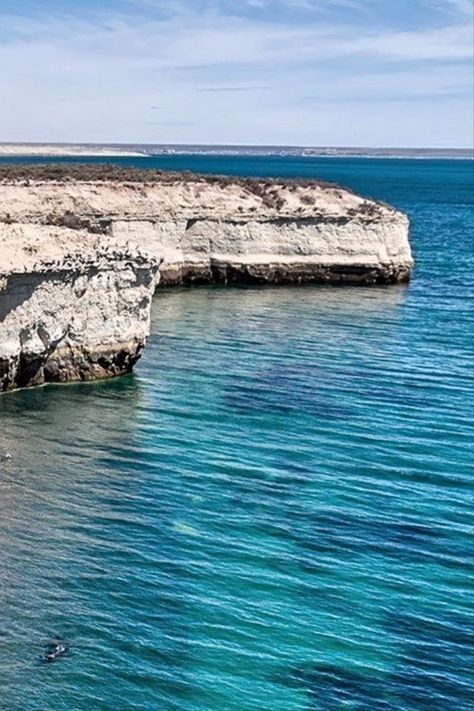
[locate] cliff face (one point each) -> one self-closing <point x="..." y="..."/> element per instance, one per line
<point x="223" y="230"/>
<point x="71" y="308"/>
<point x="80" y="248"/>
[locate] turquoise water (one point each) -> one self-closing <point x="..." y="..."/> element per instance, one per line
<point x="275" y="512"/>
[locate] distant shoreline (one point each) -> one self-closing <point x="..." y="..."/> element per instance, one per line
<point x="89" y="150"/>
<point x="41" y="150"/>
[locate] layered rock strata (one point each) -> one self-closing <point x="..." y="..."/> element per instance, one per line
<point x="71" y="307"/>
<point x="219" y="230"/>
<point x="80" y="248"/>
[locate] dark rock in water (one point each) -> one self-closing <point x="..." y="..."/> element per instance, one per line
<point x="54" y="650"/>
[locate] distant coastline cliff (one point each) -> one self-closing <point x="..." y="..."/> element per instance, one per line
<point x="80" y="248"/>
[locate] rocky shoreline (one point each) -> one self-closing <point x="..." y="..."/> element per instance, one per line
<point x="81" y="246"/>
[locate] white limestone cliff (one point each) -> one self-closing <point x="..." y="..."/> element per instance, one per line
<point x="80" y="248"/>
<point x="71" y="308"/>
<point x="209" y="229"/>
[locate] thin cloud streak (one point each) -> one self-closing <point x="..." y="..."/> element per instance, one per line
<point x="225" y="89"/>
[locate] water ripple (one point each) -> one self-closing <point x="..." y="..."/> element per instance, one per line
<point x="275" y="512"/>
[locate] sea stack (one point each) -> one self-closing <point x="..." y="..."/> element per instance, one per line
<point x="81" y="244"/>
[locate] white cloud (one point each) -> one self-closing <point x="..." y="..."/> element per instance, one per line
<point x="65" y="78"/>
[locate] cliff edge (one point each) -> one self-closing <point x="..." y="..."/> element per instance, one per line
<point x="80" y="248"/>
<point x="71" y="308"/>
<point x="210" y="229"/>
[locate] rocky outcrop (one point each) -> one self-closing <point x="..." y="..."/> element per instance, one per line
<point x="71" y="306"/>
<point x="80" y="248"/>
<point x="225" y="230"/>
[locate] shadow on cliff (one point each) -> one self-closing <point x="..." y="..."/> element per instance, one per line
<point x="17" y="290"/>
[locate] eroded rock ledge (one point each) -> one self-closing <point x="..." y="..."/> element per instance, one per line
<point x="215" y="229"/>
<point x="71" y="308"/>
<point x="80" y="248"/>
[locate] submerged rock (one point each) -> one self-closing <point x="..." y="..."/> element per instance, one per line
<point x="55" y="649"/>
<point x="72" y="306"/>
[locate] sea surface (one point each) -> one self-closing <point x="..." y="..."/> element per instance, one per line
<point x="275" y="512"/>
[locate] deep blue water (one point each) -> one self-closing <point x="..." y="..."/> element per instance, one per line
<point x="275" y="512"/>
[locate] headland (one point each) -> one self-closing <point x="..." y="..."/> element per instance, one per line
<point x="81" y="246"/>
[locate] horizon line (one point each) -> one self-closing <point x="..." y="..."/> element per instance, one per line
<point x="238" y="145"/>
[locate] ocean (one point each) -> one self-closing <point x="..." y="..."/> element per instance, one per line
<point x="275" y="511"/>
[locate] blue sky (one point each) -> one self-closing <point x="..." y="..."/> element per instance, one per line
<point x="293" y="72"/>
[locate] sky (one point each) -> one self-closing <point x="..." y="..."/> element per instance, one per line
<point x="379" y="73"/>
